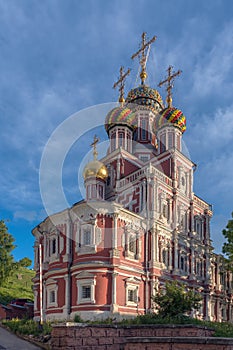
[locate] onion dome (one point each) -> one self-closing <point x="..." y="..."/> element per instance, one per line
<point x="120" y="116"/>
<point x="95" y="169"/>
<point x="145" y="96"/>
<point x="172" y="116"/>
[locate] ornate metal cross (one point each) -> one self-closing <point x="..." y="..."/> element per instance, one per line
<point x="142" y="54"/>
<point x="121" y="82"/>
<point x="169" y="80"/>
<point x="94" y="143"/>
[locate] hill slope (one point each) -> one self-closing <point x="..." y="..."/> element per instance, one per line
<point x="19" y="285"/>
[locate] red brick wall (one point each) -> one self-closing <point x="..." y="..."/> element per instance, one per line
<point x="156" y="337"/>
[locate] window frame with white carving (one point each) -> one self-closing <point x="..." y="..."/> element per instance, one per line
<point x="82" y="282"/>
<point x="95" y="237"/>
<point x="132" y="286"/>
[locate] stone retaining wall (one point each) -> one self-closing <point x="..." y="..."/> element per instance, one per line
<point x="144" y="337"/>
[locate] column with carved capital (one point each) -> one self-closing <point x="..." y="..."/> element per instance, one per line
<point x="114" y="251"/>
<point x="154" y="246"/>
<point x="174" y="210"/>
<point x="69" y="240"/>
<point x="169" y="210"/>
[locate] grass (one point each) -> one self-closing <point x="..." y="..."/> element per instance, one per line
<point x="18" y="285"/>
<point x="221" y="329"/>
<point x="30" y="327"/>
<point x="27" y="327"/>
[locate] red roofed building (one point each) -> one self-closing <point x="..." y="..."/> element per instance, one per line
<point x="139" y="226"/>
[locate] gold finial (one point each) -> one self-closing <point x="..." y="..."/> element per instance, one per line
<point x="121" y="82"/>
<point x="169" y="80"/>
<point x="143" y="55"/>
<point x="94" y="143"/>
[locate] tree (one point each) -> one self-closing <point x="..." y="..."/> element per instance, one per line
<point x="25" y="262"/>
<point x="6" y="247"/>
<point x="176" y="301"/>
<point x="228" y="246"/>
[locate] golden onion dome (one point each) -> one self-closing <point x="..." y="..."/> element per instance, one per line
<point x="95" y="169"/>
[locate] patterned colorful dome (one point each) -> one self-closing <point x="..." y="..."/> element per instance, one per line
<point x="120" y="116"/>
<point x="171" y="115"/>
<point x="145" y="96"/>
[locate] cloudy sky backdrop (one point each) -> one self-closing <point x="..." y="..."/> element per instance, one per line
<point x="58" y="57"/>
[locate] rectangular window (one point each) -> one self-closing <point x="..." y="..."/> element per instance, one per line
<point x="132" y="295"/>
<point x="132" y="245"/>
<point x="113" y="142"/>
<point x="86" y="292"/>
<point x="170" y="140"/>
<point x="164" y="256"/>
<point x="94" y="193"/>
<point x="143" y="129"/>
<point x="54" y="245"/>
<point x="101" y="191"/>
<point x="52" y="296"/>
<point x="163" y="143"/>
<point x="120" y="139"/>
<point x="87" y="237"/>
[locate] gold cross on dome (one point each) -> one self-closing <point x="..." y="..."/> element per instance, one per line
<point x="142" y="55"/>
<point x="121" y="82"/>
<point x="94" y="143"/>
<point x="169" y="80"/>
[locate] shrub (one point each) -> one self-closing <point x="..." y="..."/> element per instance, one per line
<point x="176" y="300"/>
<point x="77" y="319"/>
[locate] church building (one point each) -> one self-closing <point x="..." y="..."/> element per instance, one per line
<point x="139" y="225"/>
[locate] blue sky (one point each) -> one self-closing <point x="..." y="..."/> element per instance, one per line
<point x="60" y="57"/>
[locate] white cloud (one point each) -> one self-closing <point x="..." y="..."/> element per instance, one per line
<point x="211" y="76"/>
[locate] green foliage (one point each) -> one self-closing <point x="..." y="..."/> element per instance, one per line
<point x="27" y="327"/>
<point x="6" y="247"/>
<point x="18" y="285"/>
<point x="25" y="262"/>
<point x="228" y="246"/>
<point x="176" y="301"/>
<point x="77" y="318"/>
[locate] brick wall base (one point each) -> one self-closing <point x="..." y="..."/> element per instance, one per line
<point x="144" y="337"/>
